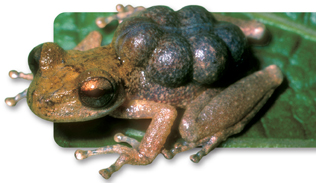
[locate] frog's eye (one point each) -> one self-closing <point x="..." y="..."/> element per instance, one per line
<point x="34" y="58"/>
<point x="96" y="92"/>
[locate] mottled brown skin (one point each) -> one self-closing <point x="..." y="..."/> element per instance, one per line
<point x="60" y="91"/>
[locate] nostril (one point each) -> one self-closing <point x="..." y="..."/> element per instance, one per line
<point x="48" y="102"/>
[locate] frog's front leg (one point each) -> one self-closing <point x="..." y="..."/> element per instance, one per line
<point x="209" y="121"/>
<point x="145" y="152"/>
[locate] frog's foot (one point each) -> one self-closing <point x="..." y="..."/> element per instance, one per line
<point x="185" y="146"/>
<point x="207" y="145"/>
<point x="15" y="75"/>
<point x="123" y="12"/>
<point x="12" y="101"/>
<point x="119" y="137"/>
<point x="177" y="148"/>
<point x="127" y="155"/>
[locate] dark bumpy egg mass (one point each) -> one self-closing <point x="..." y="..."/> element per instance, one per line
<point x="176" y="47"/>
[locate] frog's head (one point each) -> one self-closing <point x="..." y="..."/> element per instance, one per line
<point x="71" y="86"/>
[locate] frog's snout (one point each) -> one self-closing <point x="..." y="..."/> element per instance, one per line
<point x="54" y="105"/>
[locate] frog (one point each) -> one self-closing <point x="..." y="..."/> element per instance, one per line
<point x="158" y="62"/>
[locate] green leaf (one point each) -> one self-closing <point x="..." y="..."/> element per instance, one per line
<point x="287" y="120"/>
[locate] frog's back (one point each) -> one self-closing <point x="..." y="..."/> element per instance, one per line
<point x="179" y="51"/>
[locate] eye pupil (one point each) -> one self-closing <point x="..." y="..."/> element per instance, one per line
<point x="96" y="92"/>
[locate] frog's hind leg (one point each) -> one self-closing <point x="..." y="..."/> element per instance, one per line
<point x="219" y="137"/>
<point x="217" y="118"/>
<point x="191" y="113"/>
<point x="177" y="148"/>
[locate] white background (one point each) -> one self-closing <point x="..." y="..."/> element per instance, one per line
<point x="29" y="153"/>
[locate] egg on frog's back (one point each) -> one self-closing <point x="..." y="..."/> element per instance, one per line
<point x="176" y="47"/>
